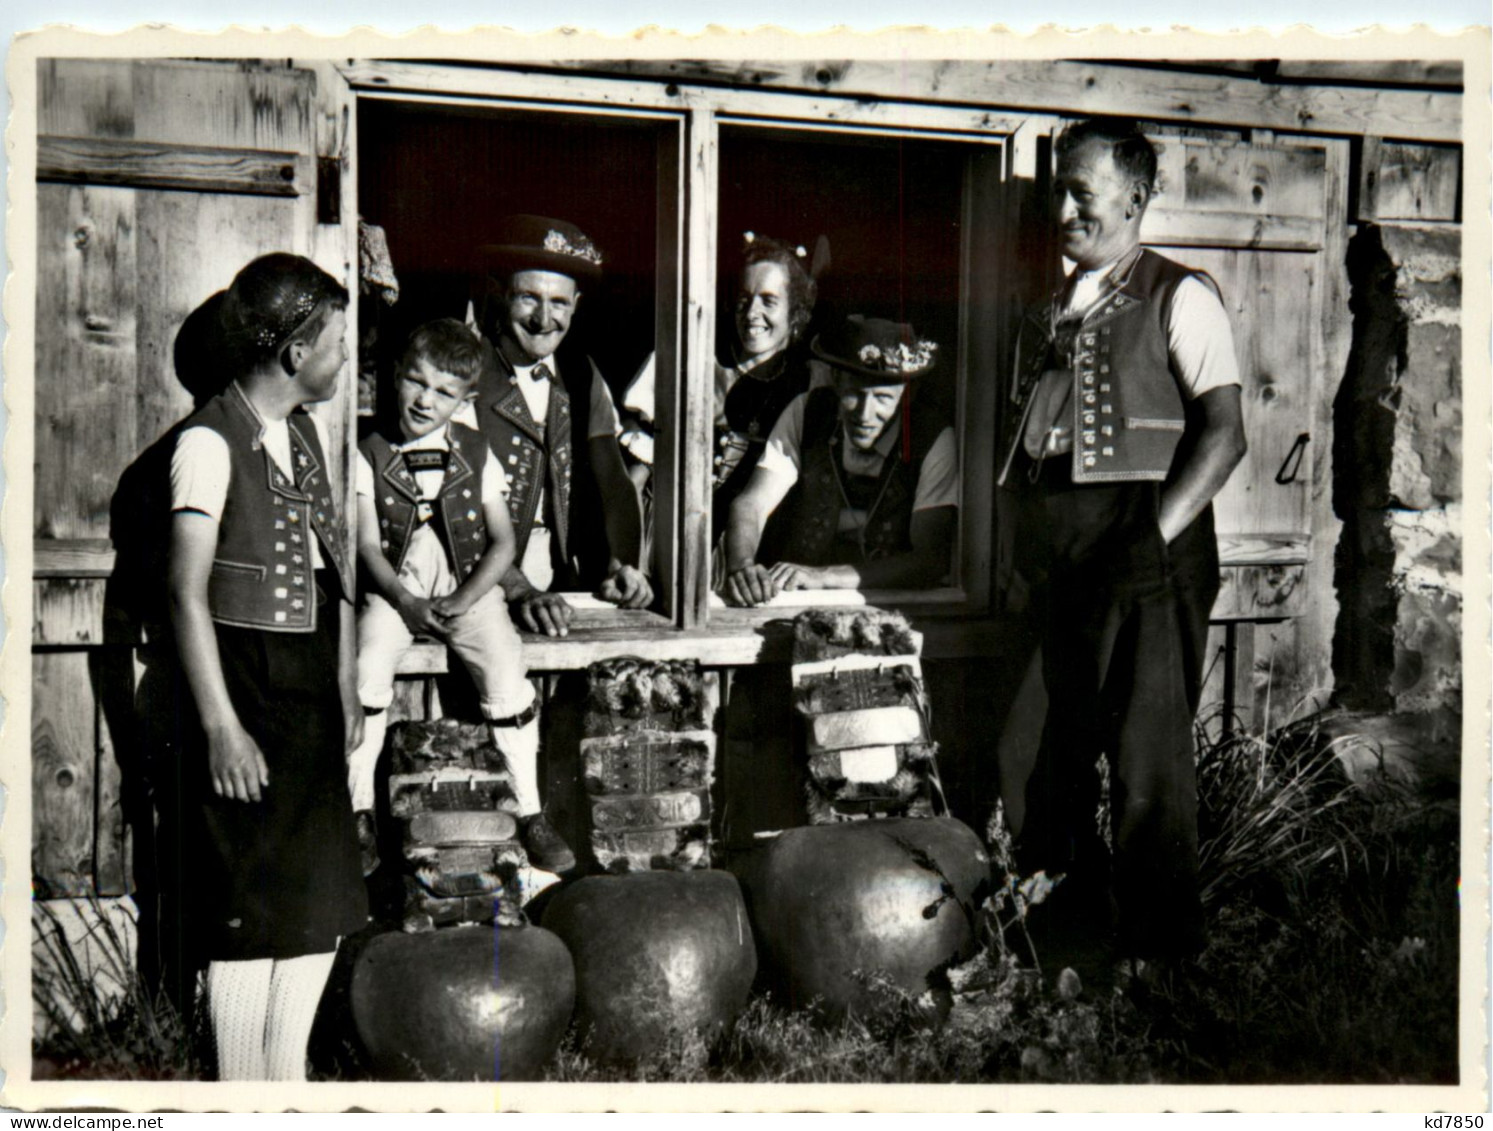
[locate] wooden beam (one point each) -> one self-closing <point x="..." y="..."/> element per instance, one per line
<point x="1409" y="182"/>
<point x="1168" y="228"/>
<point x="1380" y="72"/>
<point x="1071" y="87"/>
<point x="158" y="165"/>
<point x="1049" y="86"/>
<point x="72" y="557"/>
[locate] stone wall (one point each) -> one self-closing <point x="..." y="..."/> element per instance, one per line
<point x="1397" y="487"/>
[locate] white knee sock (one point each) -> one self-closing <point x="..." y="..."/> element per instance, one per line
<point x="296" y="985"/>
<point x="520" y="747"/>
<point x="238" y="995"/>
<point x="363" y="761"/>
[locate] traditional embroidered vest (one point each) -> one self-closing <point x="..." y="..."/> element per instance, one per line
<point x="887" y="498"/>
<point x="1126" y="408"/>
<point x="553" y="459"/>
<point x="457" y="509"/>
<point x="751" y="408"/>
<point x="261" y="575"/>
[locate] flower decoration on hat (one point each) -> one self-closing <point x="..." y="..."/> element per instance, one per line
<point x="580" y="247"/>
<point x="876" y="349"/>
<point x="905" y="357"/>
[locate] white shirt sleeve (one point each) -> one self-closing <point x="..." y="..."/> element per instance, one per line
<point x="640" y="397"/>
<point x="1201" y="340"/>
<point x="938" y="481"/>
<point x="200" y="470"/>
<point x="363" y="480"/>
<point x="603" y="416"/>
<point x="783" y="453"/>
<point x="494" y="481"/>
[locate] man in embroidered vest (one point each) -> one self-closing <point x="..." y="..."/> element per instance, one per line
<point x="878" y="482"/>
<point x="1122" y="423"/>
<point x="549" y="418"/>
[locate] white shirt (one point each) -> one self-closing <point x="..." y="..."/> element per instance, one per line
<point x="938" y="479"/>
<point x="601" y="414"/>
<point x="201" y="468"/>
<point x="1199" y="336"/>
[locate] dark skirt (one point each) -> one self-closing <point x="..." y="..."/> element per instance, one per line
<point x="280" y="877"/>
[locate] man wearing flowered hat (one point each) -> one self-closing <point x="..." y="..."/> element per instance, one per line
<point x="1122" y="423"/>
<point x="549" y="416"/>
<point x="878" y="477"/>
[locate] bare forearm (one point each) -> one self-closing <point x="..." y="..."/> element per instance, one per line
<point x="621" y="510"/>
<point x="1209" y="468"/>
<point x="381" y="573"/>
<point x="197" y="642"/>
<point x="347" y="654"/>
<point x="743" y="532"/>
<point x="516" y="585"/>
<point x="495" y="565"/>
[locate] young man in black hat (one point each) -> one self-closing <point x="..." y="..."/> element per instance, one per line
<point x="879" y="483"/>
<point x="1123" y="422"/>
<point x="549" y="417"/>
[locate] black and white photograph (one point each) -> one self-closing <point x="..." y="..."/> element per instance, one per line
<point x="919" y="561"/>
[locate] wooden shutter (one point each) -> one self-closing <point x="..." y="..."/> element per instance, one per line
<point x="156" y="182"/>
<point x="1255" y="215"/>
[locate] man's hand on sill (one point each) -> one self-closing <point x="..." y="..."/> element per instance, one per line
<point x="627" y="588"/>
<point x="549" y="613"/>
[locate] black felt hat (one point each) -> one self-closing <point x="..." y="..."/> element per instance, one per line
<point x="878" y="349"/>
<point x="541" y="243"/>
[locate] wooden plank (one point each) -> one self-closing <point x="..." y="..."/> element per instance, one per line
<point x="1332" y="323"/>
<point x="1057" y="86"/>
<point x="1074" y="87"/>
<point x="1247" y="178"/>
<point x="148" y="164"/>
<point x="85" y="361"/>
<point x="85" y="97"/>
<point x="1264" y="549"/>
<point x="702" y="170"/>
<point x="679" y="536"/>
<point x="1260" y="592"/>
<point x="63" y="760"/>
<point x="1380" y="72"/>
<point x="112" y="838"/>
<point x="986" y="316"/>
<point x="334" y="247"/>
<point x="1170" y="227"/>
<point x="174" y="227"/>
<point x="1269" y="299"/>
<point x="67" y="611"/>
<point x="1398" y="181"/>
<point x="73" y="557"/>
<point x="245" y="103"/>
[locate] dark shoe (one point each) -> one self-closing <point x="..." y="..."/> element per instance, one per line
<point x="546" y="848"/>
<point x="367" y="840"/>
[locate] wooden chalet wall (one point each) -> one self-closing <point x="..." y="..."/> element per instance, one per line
<point x="158" y="179"/>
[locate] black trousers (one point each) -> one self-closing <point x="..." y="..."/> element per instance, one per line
<point x="1124" y="629"/>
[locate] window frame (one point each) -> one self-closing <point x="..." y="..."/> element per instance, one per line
<point x="686" y="318"/>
